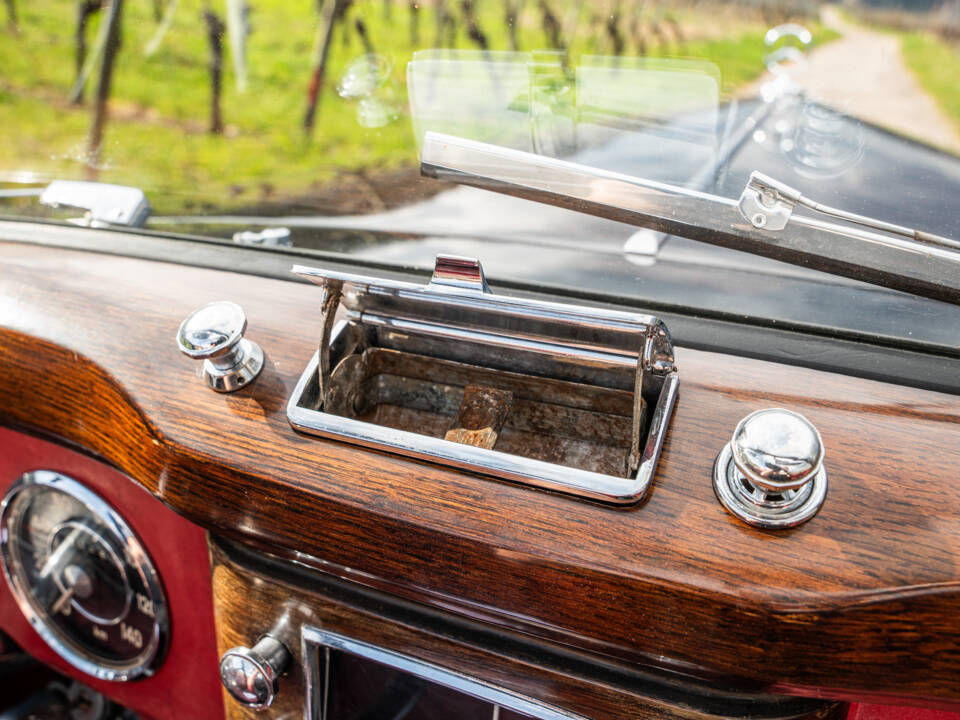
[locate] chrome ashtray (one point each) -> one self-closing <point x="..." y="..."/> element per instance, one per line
<point x="569" y="398"/>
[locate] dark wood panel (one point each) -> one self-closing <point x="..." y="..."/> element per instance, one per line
<point x="863" y="600"/>
<point x="249" y="602"/>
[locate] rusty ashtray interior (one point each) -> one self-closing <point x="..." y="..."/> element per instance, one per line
<point x="567" y="423"/>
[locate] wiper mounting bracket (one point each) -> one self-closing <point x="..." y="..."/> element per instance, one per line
<point x="768" y="203"/>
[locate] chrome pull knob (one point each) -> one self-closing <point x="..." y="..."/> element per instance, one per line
<point x="252" y="675"/>
<point x="214" y="334"/>
<point x="771" y="473"/>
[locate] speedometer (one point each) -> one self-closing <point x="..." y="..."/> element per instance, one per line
<point x="82" y="577"/>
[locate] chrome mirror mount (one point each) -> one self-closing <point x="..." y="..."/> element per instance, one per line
<point x="105" y="205"/>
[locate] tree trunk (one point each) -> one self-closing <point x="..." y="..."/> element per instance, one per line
<point x="215" y="30"/>
<point x="322" y="51"/>
<point x="100" y="109"/>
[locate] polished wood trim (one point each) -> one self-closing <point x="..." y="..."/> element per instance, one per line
<point x="250" y="602"/>
<point x="863" y="600"/>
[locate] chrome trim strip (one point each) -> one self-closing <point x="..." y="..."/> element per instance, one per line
<point x="313" y="639"/>
<point x="658" y="431"/>
<point x="355" y="287"/>
<point x="516" y="342"/>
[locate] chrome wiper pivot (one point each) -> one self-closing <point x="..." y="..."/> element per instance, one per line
<point x="768" y="203"/>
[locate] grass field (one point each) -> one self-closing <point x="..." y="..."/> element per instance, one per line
<point x="157" y="137"/>
<point x="936" y="65"/>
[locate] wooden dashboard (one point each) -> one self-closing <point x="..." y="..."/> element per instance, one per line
<point x="861" y="602"/>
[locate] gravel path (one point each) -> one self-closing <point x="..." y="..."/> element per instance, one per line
<point x="864" y="75"/>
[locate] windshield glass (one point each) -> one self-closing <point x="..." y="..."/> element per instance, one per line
<point x="297" y="124"/>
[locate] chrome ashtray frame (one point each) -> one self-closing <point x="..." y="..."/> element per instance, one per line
<point x="458" y="308"/>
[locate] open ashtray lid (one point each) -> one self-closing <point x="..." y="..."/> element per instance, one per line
<point x="571" y="398"/>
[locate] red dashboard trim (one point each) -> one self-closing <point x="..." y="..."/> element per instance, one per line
<point x="187" y="683"/>
<point x="893" y="712"/>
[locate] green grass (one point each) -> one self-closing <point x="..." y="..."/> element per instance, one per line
<point x="156" y="138"/>
<point x="936" y="65"/>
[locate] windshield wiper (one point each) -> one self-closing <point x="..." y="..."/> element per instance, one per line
<point x="761" y="221"/>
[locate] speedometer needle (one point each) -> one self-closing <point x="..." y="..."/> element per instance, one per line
<point x="56" y="557"/>
<point x="64" y="599"/>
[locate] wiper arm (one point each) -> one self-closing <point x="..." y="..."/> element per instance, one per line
<point x="761" y="222"/>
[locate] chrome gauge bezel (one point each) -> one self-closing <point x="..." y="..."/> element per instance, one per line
<point x="146" y="661"/>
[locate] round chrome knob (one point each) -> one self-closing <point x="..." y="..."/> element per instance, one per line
<point x="252" y="675"/>
<point x="777" y="449"/>
<point x="771" y="473"/>
<point x="214" y="334"/>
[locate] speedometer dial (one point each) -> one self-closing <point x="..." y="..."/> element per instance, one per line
<point x="82" y="577"/>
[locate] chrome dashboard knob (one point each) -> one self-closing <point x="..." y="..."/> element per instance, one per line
<point x="252" y="675"/>
<point x="771" y="473"/>
<point x="214" y="334"/>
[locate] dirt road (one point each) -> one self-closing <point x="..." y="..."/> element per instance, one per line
<point x="864" y="75"/>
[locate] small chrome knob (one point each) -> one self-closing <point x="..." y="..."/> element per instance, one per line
<point x="252" y="675"/>
<point x="771" y="473"/>
<point x="214" y="334"/>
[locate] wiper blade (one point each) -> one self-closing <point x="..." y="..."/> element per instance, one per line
<point x="906" y="260"/>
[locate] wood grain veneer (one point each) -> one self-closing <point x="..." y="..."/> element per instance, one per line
<point x="249" y="602"/>
<point x="864" y="600"/>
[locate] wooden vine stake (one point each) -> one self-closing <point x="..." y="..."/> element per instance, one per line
<point x="512" y="10"/>
<point x="414" y="6"/>
<point x="100" y="109"/>
<point x="331" y="11"/>
<point x="215" y="30"/>
<point x="85" y="8"/>
<point x="11" y="14"/>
